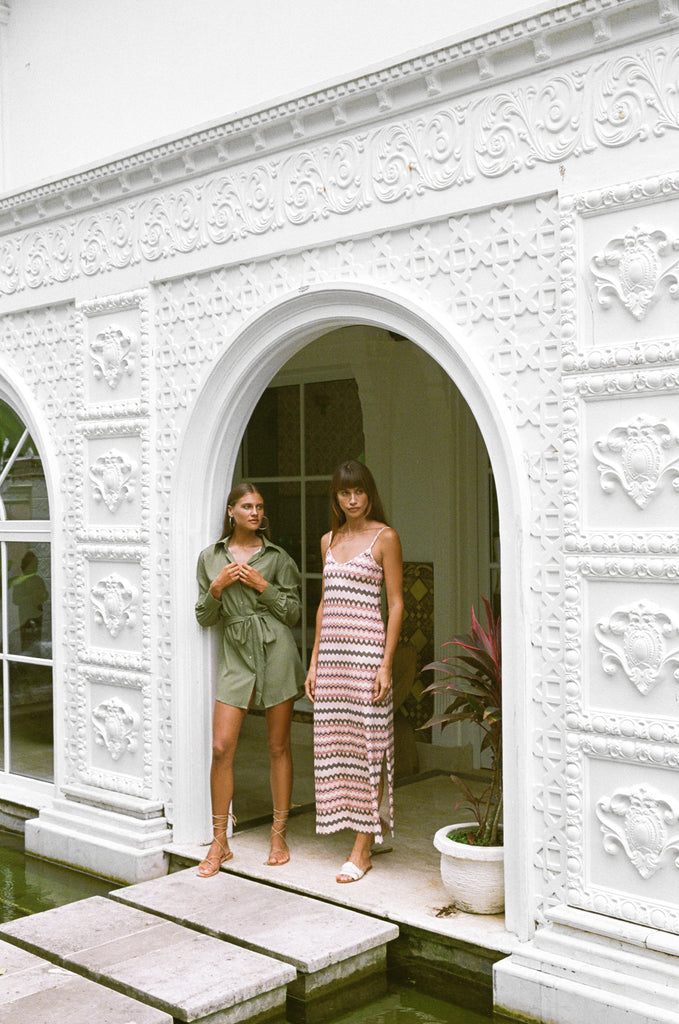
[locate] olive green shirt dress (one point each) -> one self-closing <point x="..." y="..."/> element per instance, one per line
<point x="258" y="657"/>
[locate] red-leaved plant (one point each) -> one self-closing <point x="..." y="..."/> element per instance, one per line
<point x="473" y="678"/>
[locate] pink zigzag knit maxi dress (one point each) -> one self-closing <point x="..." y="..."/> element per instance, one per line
<point x="353" y="737"/>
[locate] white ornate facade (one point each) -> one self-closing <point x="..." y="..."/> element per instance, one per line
<point x="510" y="204"/>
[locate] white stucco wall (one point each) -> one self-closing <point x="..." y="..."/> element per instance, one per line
<point x="83" y="80"/>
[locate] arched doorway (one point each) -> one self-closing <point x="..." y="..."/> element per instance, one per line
<point x="258" y="352"/>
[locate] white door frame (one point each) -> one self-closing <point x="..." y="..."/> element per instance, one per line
<point x="205" y="464"/>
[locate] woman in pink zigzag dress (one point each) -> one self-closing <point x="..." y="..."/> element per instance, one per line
<point x="349" y="678"/>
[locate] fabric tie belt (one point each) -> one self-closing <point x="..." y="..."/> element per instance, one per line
<point x="252" y="632"/>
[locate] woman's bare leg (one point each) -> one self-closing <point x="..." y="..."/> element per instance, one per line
<point x="226" y="725"/>
<point x="360" y="852"/>
<point x="278" y="721"/>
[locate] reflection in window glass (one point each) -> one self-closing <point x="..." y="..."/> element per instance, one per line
<point x="24" y="491"/>
<point x="12" y="430"/>
<point x="29" y="616"/>
<point x="26" y="735"/>
<point x="32" y="738"/>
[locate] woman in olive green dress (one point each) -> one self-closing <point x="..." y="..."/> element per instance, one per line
<point x="250" y="589"/>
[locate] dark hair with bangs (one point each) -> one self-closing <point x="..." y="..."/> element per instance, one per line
<point x="354" y="474"/>
<point x="238" y="492"/>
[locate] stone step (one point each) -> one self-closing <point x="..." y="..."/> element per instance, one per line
<point x="34" y="991"/>
<point x="339" y="954"/>
<point x="189" y="975"/>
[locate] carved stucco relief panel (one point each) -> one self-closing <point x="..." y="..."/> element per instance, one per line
<point x="621" y="388"/>
<point x="111" y="555"/>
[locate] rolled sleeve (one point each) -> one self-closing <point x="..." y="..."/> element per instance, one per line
<point x="207" y="607"/>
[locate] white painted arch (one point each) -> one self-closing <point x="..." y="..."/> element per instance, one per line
<point x="206" y="459"/>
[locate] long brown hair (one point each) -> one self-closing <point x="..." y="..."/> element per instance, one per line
<point x="354" y="474"/>
<point x="238" y="492"/>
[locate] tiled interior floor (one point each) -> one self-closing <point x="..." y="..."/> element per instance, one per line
<point x="404" y="884"/>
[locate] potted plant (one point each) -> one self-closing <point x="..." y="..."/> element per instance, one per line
<point x="472" y="860"/>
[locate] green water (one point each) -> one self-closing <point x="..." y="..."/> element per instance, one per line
<point x="29" y="885"/>
<point x="410" y="1007"/>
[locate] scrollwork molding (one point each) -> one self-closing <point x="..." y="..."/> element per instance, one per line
<point x="624" y="544"/>
<point x="631" y="568"/>
<point x="115" y="678"/>
<point x="553" y="117"/>
<point x="113" y="303"/>
<point x="642" y="355"/>
<point x="361" y="100"/>
<point x="653" y="733"/>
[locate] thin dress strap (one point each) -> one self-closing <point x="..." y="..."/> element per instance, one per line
<point x="370" y="549"/>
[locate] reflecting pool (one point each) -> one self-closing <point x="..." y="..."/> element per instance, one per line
<point x="28" y="885"/>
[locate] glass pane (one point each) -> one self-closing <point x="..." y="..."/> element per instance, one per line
<point x="24" y="491"/>
<point x="317" y="521"/>
<point x="2" y="577"/>
<point x="273" y="434"/>
<point x="11" y="429"/>
<point x="31" y="728"/>
<point x="282" y="505"/>
<point x="333" y="425"/>
<point x="2" y="722"/>
<point x="29" y="614"/>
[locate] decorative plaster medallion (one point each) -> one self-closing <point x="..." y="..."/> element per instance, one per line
<point x="116" y="727"/>
<point x="112" y="354"/>
<point x="638" y="455"/>
<point x="113" y="599"/>
<point x="112" y="476"/>
<point x="642" y="822"/>
<point x="640" y="639"/>
<point x="632" y="268"/>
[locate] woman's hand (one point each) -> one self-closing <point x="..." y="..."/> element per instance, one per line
<point x="310" y="683"/>
<point x="382" y="685"/>
<point x="229" y="574"/>
<point x="251" y="578"/>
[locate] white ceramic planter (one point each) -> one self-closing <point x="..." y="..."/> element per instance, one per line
<point x="474" y="876"/>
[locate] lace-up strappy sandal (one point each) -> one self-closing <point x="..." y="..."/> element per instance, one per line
<point x="213" y="862"/>
<point x="280" y="820"/>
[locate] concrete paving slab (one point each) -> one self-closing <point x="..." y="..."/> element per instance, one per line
<point x="34" y="991"/>
<point x="305" y="932"/>
<point x="192" y="976"/>
<point x="340" y="956"/>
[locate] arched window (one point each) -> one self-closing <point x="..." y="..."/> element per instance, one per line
<point x="26" y="720"/>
